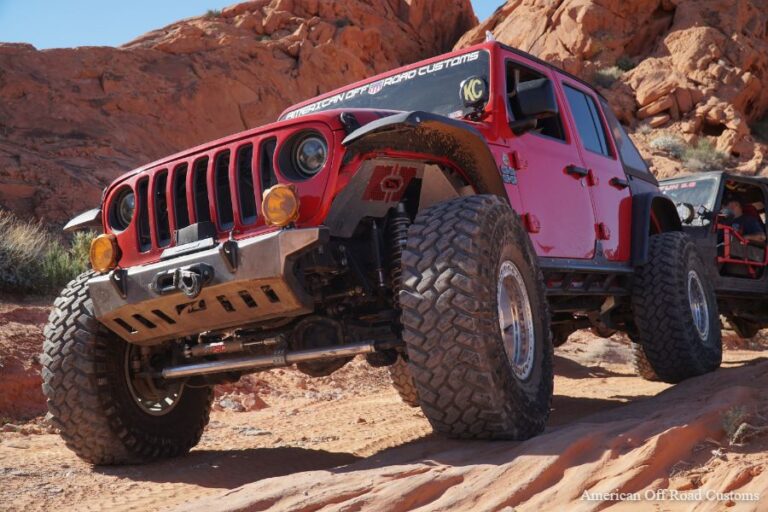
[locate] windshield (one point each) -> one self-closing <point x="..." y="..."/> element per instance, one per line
<point x="698" y="193"/>
<point x="432" y="88"/>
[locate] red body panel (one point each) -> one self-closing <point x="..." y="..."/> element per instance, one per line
<point x="612" y="206"/>
<point x="566" y="215"/>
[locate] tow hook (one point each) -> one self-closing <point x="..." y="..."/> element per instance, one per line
<point x="188" y="280"/>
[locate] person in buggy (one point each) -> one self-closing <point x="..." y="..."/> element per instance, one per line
<point x="743" y="218"/>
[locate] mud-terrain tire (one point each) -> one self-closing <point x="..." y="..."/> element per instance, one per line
<point x="457" y="253"/>
<point x="86" y="385"/>
<point x="403" y="382"/>
<point x="675" y="311"/>
<point x="641" y="364"/>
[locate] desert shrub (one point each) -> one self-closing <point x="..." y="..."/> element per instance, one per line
<point x="704" y="157"/>
<point x="212" y="13"/>
<point x="760" y="130"/>
<point x="33" y="261"/>
<point x="605" y="77"/>
<point x="672" y="145"/>
<point x="644" y="129"/>
<point x="624" y="63"/>
<point x="741" y="425"/>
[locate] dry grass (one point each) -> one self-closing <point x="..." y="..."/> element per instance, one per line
<point x="673" y="145"/>
<point x="702" y="156"/>
<point x="606" y="77"/>
<point x="740" y="425"/>
<point x="34" y="261"/>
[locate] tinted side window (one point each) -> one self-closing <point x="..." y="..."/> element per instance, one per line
<point x="518" y="74"/>
<point x="587" y="118"/>
<point x="630" y="156"/>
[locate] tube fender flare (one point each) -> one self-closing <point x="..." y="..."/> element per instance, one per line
<point x="431" y="134"/>
<point x="646" y="206"/>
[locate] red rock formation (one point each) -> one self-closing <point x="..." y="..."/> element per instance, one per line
<point x="700" y="67"/>
<point x="73" y="119"/>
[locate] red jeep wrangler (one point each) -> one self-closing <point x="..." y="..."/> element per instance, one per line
<point x="453" y="220"/>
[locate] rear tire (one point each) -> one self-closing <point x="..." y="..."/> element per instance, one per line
<point x="403" y="382"/>
<point x="476" y="322"/>
<point x="675" y="312"/>
<point x="100" y="411"/>
<point x="641" y="364"/>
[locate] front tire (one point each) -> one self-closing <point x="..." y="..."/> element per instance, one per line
<point x="105" y="415"/>
<point x="403" y="382"/>
<point x="476" y="322"/>
<point x="675" y="312"/>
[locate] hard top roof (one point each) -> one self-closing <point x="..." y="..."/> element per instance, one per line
<point x="488" y="45"/>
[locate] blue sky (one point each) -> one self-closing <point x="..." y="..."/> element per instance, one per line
<point x="62" y="23"/>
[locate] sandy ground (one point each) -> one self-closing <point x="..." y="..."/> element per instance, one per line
<point x="346" y="442"/>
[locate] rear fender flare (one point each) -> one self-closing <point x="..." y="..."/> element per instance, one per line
<point x="652" y="212"/>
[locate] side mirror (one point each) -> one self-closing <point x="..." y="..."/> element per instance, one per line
<point x="474" y="93"/>
<point x="534" y="100"/>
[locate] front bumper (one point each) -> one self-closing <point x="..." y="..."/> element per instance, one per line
<point x="260" y="286"/>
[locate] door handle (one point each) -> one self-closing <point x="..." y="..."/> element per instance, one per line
<point x="619" y="183"/>
<point x="576" y="171"/>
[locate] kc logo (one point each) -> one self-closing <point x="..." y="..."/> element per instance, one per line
<point x="474" y="91"/>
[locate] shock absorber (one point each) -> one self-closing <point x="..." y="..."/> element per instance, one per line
<point x="398" y="232"/>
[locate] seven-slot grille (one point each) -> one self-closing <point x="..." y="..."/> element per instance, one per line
<point x="221" y="186"/>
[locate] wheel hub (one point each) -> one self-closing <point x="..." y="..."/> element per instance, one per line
<point x="515" y="320"/>
<point x="155" y="397"/>
<point x="698" y="302"/>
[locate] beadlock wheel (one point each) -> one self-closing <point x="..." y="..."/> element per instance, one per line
<point x="156" y="398"/>
<point x="515" y="320"/>
<point x="698" y="302"/>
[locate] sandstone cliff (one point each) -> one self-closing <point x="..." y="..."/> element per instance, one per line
<point x="71" y="120"/>
<point x="697" y="69"/>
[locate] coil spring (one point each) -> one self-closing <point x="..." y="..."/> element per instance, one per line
<point x="398" y="232"/>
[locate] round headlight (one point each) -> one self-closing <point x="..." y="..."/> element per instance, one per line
<point x="311" y="155"/>
<point x="123" y="209"/>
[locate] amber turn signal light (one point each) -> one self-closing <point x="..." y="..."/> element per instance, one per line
<point x="280" y="205"/>
<point x="104" y="253"/>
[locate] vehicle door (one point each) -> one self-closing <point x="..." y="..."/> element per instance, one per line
<point x="555" y="200"/>
<point x="606" y="180"/>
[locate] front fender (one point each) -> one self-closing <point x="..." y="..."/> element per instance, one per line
<point x="86" y="220"/>
<point x="431" y="134"/>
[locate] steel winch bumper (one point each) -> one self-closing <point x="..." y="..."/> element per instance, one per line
<point x="232" y="284"/>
